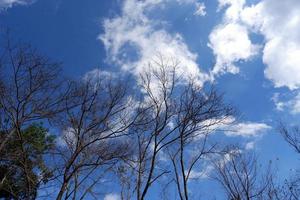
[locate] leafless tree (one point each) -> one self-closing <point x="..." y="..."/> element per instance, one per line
<point x="31" y="90"/>
<point x="291" y="135"/>
<point x="162" y="133"/>
<point x="152" y="133"/>
<point x="92" y="135"/>
<point x="32" y="87"/>
<point x="201" y="111"/>
<point x="243" y="178"/>
<point x="290" y="190"/>
<point x="174" y="111"/>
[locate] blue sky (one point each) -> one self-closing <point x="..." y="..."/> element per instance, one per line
<point x="250" y="49"/>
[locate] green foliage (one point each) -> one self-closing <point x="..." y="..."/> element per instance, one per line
<point x="24" y="156"/>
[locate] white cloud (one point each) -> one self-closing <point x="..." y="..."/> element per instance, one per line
<point x="232" y="13"/>
<point x="225" y="158"/>
<point x="4" y="4"/>
<point x="97" y="75"/>
<point x="230" y="43"/>
<point x="232" y="127"/>
<point x="278" y="104"/>
<point x="230" y="40"/>
<point x="204" y="174"/>
<point x="251" y="16"/>
<point x="278" y="22"/>
<point x="280" y="26"/>
<point x="247" y="129"/>
<point x="292" y="105"/>
<point x="67" y="138"/>
<point x="250" y="145"/>
<point x="283" y="60"/>
<point x="295" y="105"/>
<point x="200" y="9"/>
<point x="146" y="37"/>
<point x="112" y="197"/>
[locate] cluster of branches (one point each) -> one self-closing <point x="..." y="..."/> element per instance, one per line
<point x="63" y="139"/>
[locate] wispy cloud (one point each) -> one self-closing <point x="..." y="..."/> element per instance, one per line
<point x="4" y="4"/>
<point x="292" y="105"/>
<point x="233" y="127"/>
<point x="250" y="145"/>
<point x="247" y="129"/>
<point x="200" y="9"/>
<point x="204" y="174"/>
<point x="135" y="30"/>
<point x="112" y="196"/>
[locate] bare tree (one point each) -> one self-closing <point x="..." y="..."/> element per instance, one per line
<point x="291" y="188"/>
<point x="33" y="88"/>
<point x="152" y="133"/>
<point x="201" y="111"/>
<point x="31" y="91"/>
<point x="173" y="112"/>
<point x="291" y="135"/>
<point x="242" y="178"/>
<point x="92" y="135"/>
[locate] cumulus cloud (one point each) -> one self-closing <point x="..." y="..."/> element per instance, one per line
<point x="4" y="4"/>
<point x="233" y="10"/>
<point x="112" y="197"/>
<point x="282" y="50"/>
<point x="278" y="22"/>
<point x="230" y="43"/>
<point x="144" y="38"/>
<point x="230" y="40"/>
